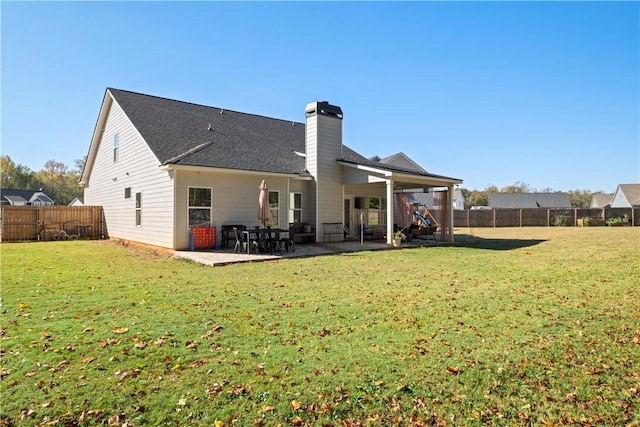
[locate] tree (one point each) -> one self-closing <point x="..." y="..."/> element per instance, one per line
<point x="478" y="198"/>
<point x="581" y="198"/>
<point x="17" y="177"/>
<point x="518" y="187"/>
<point x="59" y="183"/>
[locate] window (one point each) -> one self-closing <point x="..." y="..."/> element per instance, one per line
<point x="138" y="209"/>
<point x="274" y="207"/>
<point x="377" y="210"/>
<point x="127" y="193"/>
<point x="115" y="147"/>
<point x="295" y="207"/>
<point x="199" y="206"/>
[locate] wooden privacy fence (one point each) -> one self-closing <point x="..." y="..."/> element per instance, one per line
<point x="21" y="223"/>
<point x="540" y="217"/>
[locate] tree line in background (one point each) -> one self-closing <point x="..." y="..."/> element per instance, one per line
<point x="62" y="184"/>
<point x="55" y="179"/>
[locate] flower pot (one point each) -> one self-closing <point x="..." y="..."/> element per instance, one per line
<point x="396" y="242"/>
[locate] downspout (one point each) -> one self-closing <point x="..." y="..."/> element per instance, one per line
<point x="450" y="238"/>
<point x="288" y="199"/>
<point x="390" y="208"/>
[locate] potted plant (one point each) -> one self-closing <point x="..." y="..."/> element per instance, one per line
<point x="398" y="237"/>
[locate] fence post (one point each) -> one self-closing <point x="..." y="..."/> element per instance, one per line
<point x="494" y="218"/>
<point x="548" y="217"/>
<point x="468" y="218"/>
<point x="575" y="217"/>
<point x="520" y="217"/>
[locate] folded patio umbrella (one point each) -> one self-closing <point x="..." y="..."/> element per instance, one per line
<point x="264" y="213"/>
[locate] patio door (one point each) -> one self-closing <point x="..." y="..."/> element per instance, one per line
<point x="348" y="216"/>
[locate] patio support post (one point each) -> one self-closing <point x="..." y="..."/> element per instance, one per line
<point x="450" y="213"/>
<point x="390" y="208"/>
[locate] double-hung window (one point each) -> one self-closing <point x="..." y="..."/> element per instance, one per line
<point x="274" y="207"/>
<point x="138" y="209"/>
<point x="200" y="206"/>
<point x="295" y="207"/>
<point x="116" y="146"/>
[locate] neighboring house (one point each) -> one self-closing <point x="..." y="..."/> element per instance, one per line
<point x="77" y="201"/>
<point x="626" y="196"/>
<point x="402" y="160"/>
<point x="159" y="166"/>
<point x="10" y="197"/>
<point x="601" y="201"/>
<point x="529" y="200"/>
<point x="458" y="200"/>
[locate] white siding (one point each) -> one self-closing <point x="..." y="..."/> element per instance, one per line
<point x="138" y="169"/>
<point x="324" y="146"/>
<point x="235" y="199"/>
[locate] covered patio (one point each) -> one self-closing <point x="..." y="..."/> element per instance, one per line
<point x="398" y="188"/>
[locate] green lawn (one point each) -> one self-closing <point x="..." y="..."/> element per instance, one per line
<point x="523" y="326"/>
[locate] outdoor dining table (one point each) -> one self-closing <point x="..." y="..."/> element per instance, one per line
<point x="251" y="235"/>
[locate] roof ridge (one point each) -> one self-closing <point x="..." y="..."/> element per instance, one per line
<point x="222" y="109"/>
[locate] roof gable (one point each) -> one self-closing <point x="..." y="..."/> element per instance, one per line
<point x="401" y="159"/>
<point x="631" y="192"/>
<point x="601" y="200"/>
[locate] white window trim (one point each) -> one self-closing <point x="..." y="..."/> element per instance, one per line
<point x="189" y="207"/>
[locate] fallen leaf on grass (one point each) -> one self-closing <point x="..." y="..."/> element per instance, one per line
<point x="295" y="405"/>
<point x="23" y="305"/>
<point x="453" y="370"/>
<point x="268" y="408"/>
<point x="88" y="329"/>
<point x="88" y="359"/>
<point x="120" y="330"/>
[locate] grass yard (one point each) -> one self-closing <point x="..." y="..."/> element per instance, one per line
<point x="522" y="326"/>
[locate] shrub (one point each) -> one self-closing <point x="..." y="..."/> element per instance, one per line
<point x="616" y="221"/>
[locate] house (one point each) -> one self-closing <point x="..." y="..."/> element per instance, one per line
<point x="159" y="166"/>
<point x="601" y="201"/>
<point x="626" y="196"/>
<point x="10" y="197"/>
<point x="458" y="200"/>
<point x="529" y="200"/>
<point x="77" y="201"/>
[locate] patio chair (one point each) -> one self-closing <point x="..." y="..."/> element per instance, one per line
<point x="241" y="244"/>
<point x="287" y="241"/>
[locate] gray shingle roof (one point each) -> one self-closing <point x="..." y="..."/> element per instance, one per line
<point x="529" y="200"/>
<point x="8" y="196"/>
<point x="632" y="193"/>
<point x="183" y="133"/>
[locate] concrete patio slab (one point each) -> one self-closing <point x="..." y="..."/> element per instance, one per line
<point x="219" y="257"/>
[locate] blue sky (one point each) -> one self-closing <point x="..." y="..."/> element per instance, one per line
<point x="544" y="93"/>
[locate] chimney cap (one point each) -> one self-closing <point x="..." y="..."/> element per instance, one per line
<point x="323" y="108"/>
